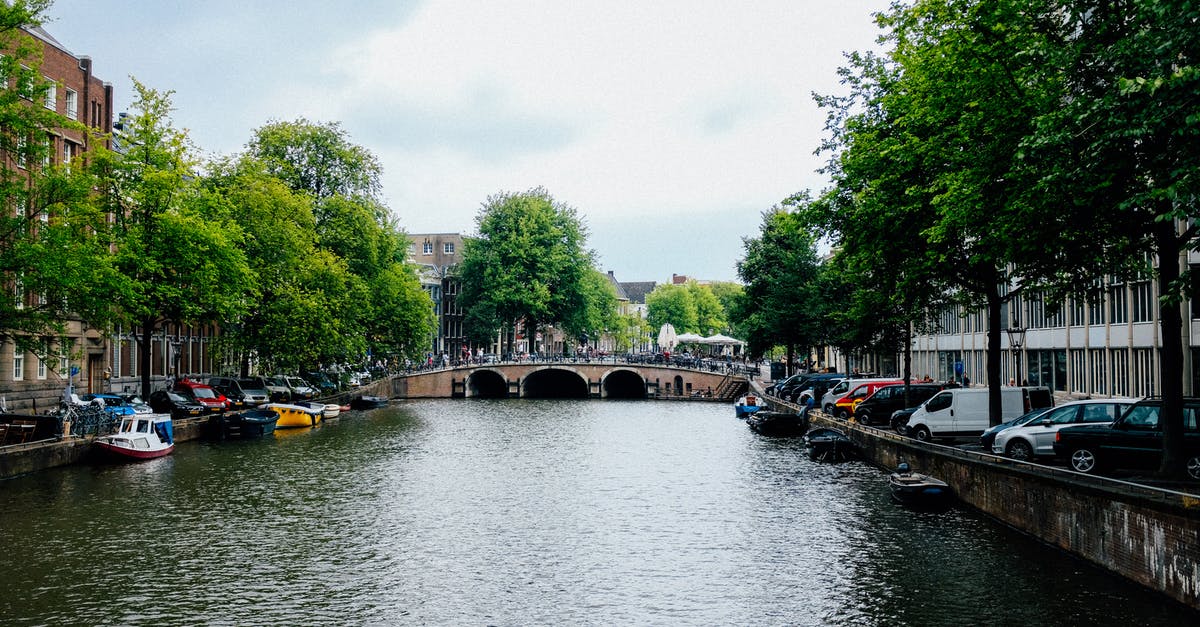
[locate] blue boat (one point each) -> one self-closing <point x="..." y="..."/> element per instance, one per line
<point x="748" y="405"/>
<point x="251" y="423"/>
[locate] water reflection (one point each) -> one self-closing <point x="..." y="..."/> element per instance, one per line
<point x="522" y="512"/>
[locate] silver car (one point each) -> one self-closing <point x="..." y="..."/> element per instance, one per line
<point x="1036" y="439"/>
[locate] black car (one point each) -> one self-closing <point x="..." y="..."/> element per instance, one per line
<point x="815" y="384"/>
<point x="1134" y="441"/>
<point x="179" y="406"/>
<point x="879" y="407"/>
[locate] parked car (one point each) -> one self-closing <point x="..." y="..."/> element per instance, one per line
<point x="1036" y="438"/>
<point x="843" y="407"/>
<point x="139" y="406"/>
<point x="842" y="388"/>
<point x="879" y="407"/>
<point x="277" y="389"/>
<point x="298" y="389"/>
<point x="989" y="437"/>
<point x="245" y="390"/>
<point x="1133" y="441"/>
<point x="964" y="412"/>
<point x="178" y="405"/>
<point x="813" y="386"/>
<point x="779" y="385"/>
<point x="213" y="401"/>
<point x="321" y="382"/>
<point x="113" y="404"/>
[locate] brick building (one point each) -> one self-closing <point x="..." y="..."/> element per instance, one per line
<point x="27" y="382"/>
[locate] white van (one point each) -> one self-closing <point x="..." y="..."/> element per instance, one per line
<point x="963" y="412"/>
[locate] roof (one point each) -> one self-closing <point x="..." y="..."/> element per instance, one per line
<point x="637" y="290"/>
<point x="621" y="295"/>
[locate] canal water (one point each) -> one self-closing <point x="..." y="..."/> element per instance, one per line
<point x="522" y="512"/>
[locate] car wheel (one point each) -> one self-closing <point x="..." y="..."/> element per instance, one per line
<point x="921" y="432"/>
<point x="1020" y="449"/>
<point x="1193" y="467"/>
<point x="842" y="414"/>
<point x="863" y="417"/>
<point x="1083" y="460"/>
<point x="828" y="409"/>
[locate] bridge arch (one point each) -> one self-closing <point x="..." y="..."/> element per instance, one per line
<point x="623" y="383"/>
<point x="554" y="383"/>
<point x="486" y="384"/>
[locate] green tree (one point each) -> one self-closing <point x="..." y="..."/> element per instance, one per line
<point x="183" y="259"/>
<point x="54" y="260"/>
<point x="710" y="315"/>
<point x="783" y="300"/>
<point x="1119" y="153"/>
<point x="728" y="293"/>
<point x="598" y="313"/>
<point x="527" y="263"/>
<point x="672" y="304"/>
<point x="318" y="159"/>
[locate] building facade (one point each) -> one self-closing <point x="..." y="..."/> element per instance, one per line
<point x="435" y="255"/>
<point x="28" y="383"/>
<point x="1107" y="345"/>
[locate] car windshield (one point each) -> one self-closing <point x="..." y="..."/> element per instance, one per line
<point x="176" y="398"/>
<point x="296" y="383"/>
<point x="203" y="393"/>
<point x="249" y="384"/>
<point x="1029" y="417"/>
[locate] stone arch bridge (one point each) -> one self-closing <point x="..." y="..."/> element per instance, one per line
<point x="569" y="380"/>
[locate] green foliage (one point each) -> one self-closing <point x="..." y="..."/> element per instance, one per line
<point x="54" y="261"/>
<point x="674" y="305"/>
<point x="173" y="243"/>
<point x="528" y="262"/>
<point x="783" y="303"/>
<point x="316" y="158"/>
<point x="598" y="313"/>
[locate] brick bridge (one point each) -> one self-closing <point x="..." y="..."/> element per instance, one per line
<point x="568" y="380"/>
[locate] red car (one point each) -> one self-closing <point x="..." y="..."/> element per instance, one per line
<point x="212" y="400"/>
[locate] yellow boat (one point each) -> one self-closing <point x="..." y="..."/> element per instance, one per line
<point x="292" y="416"/>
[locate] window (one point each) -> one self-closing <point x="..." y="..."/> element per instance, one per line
<point x="18" y="364"/>
<point x="68" y="153"/>
<point x="448" y="248"/>
<point x="3" y="72"/>
<point x="72" y="99"/>
<point x="1143" y="301"/>
<point x="48" y="156"/>
<point x="51" y="94"/>
<point x="1117" y="312"/>
<point x="22" y="151"/>
<point x="64" y="359"/>
<point x="41" y="367"/>
<point x="427" y="248"/>
<point x="19" y="293"/>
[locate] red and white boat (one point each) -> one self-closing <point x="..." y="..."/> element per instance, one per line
<point x="140" y="436"/>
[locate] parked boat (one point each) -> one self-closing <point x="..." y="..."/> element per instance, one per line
<point x="778" y="424"/>
<point x="368" y="402"/>
<point x="747" y="405"/>
<point x="328" y="411"/>
<point x="911" y="488"/>
<point x="829" y="445"/>
<point x="248" y="424"/>
<point x="292" y="416"/>
<point x="140" y="436"/>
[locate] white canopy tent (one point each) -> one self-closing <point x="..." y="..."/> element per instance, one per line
<point x="666" y="337"/>
<point x="689" y="338"/>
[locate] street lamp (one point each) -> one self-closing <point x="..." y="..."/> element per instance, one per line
<point x="1016" y="337"/>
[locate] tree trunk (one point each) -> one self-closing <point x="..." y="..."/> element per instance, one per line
<point x="144" y="362"/>
<point x="791" y="354"/>
<point x="994" y="353"/>
<point x="908" y="333"/>
<point x="1171" y="355"/>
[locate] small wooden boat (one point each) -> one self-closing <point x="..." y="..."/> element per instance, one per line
<point x="916" y="489"/>
<point x="778" y="424"/>
<point x="293" y="416"/>
<point x="747" y="405"/>
<point x="829" y="445"/>
<point x="368" y="402"/>
<point x="140" y="436"/>
<point x="329" y="411"/>
<point x="248" y="424"/>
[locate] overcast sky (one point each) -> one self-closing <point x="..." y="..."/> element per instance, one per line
<point x="670" y="126"/>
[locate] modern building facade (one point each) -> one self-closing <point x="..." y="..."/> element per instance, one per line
<point x="1108" y="345"/>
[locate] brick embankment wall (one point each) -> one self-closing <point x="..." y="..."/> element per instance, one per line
<point x="1145" y="534"/>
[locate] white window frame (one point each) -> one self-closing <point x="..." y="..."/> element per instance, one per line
<point x="51" y="96"/>
<point x="18" y="370"/>
<point x="448" y="248"/>
<point x="22" y="151"/>
<point x="427" y="248"/>
<point x="72" y="102"/>
<point x="19" y="293"/>
<point x="68" y="154"/>
<point x="41" y="369"/>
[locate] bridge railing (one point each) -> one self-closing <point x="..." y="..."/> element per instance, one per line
<point x="749" y="370"/>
